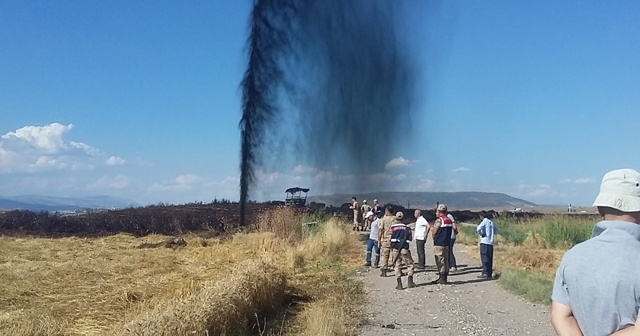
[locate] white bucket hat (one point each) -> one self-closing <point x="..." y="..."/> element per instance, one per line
<point x="620" y="189"/>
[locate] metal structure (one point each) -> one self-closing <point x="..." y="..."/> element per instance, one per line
<point x="296" y="196"/>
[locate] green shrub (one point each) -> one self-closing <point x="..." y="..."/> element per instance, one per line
<point x="557" y="231"/>
<point x="533" y="286"/>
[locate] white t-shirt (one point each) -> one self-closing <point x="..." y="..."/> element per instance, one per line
<point x="421" y="228"/>
<point x="453" y="233"/>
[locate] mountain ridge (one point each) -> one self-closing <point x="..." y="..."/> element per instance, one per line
<point x="417" y="199"/>
<point x="58" y="203"/>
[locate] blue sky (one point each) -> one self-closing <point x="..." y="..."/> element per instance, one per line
<point x="141" y="100"/>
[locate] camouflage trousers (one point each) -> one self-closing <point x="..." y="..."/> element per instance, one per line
<point x="441" y="254"/>
<point x="405" y="256"/>
<point x="384" y="256"/>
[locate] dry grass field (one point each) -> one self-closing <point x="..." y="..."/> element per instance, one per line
<point x="528" y="252"/>
<point x="241" y="284"/>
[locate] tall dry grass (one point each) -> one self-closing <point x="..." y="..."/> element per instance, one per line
<point x="220" y="307"/>
<point x="102" y="286"/>
<point x="528" y="252"/>
<point x="285" y="222"/>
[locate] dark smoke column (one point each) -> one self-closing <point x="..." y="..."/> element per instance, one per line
<point x="266" y="39"/>
<point x="340" y="79"/>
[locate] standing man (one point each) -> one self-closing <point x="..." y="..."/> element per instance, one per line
<point x="442" y="229"/>
<point x="384" y="238"/>
<point x="486" y="229"/>
<point x="400" y="238"/>
<point x="597" y="285"/>
<point x="453" y="265"/>
<point x="363" y="210"/>
<point x="377" y="210"/>
<point x="372" y="243"/>
<point x="421" y="237"/>
<point x="356" y="210"/>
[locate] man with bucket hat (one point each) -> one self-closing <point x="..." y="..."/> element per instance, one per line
<point x="597" y="285"/>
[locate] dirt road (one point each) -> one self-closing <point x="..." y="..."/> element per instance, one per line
<point x="467" y="306"/>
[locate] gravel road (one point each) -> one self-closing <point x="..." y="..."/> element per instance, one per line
<point x="466" y="306"/>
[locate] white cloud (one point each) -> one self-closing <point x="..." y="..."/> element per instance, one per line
<point x="325" y="176"/>
<point x="191" y="187"/>
<point x="181" y="183"/>
<point x="399" y="162"/>
<point x="42" y="148"/>
<point x="582" y="180"/>
<point x="115" y="161"/>
<point x="535" y="191"/>
<point x="460" y="170"/>
<point x="300" y="170"/>
<point x="47" y="139"/>
<point x="105" y="182"/>
<point x="269" y="178"/>
<point x="379" y="177"/>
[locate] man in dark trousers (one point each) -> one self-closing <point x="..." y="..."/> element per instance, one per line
<point x="442" y="229"/>
<point x="486" y="229"/>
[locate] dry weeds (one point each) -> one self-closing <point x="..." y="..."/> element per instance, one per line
<point x="219" y="308"/>
<point x="82" y="286"/>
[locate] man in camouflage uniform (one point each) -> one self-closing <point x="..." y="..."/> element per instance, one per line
<point x="356" y="213"/>
<point x="442" y="229"/>
<point x="384" y="239"/>
<point x="363" y="210"/>
<point x="400" y="238"/>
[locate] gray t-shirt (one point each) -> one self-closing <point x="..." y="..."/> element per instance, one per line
<point x="600" y="279"/>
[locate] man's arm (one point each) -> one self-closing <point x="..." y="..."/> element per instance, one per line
<point x="436" y="226"/>
<point x="479" y="227"/>
<point x="633" y="330"/>
<point x="564" y="322"/>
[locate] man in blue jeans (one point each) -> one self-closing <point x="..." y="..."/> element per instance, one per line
<point x="486" y="229"/>
<point x="372" y="243"/>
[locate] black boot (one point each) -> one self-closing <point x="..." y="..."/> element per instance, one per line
<point x="399" y="285"/>
<point x="410" y="283"/>
<point x="443" y="280"/>
<point x="383" y="272"/>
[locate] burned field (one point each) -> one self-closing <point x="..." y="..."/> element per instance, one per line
<point x="210" y="219"/>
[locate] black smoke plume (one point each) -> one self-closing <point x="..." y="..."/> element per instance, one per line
<point x="335" y="78"/>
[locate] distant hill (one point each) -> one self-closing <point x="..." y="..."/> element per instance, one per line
<point x="428" y="200"/>
<point x="53" y="203"/>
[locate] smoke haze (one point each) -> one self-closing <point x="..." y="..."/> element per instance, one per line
<point x="332" y="83"/>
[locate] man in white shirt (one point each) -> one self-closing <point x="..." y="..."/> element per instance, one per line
<point x="372" y="243"/>
<point x="421" y="237"/>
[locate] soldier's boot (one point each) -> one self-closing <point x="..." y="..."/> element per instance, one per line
<point x="442" y="280"/>
<point x="399" y="285"/>
<point x="383" y="272"/>
<point x="410" y="283"/>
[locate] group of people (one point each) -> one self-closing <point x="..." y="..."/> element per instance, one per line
<point x="361" y="221"/>
<point x="597" y="285"/>
<point x="389" y="239"/>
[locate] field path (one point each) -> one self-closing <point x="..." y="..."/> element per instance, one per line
<point x="467" y="306"/>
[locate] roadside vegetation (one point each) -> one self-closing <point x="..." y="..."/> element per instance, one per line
<point x="527" y="252"/>
<point x="273" y="279"/>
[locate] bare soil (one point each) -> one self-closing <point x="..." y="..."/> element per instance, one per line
<point x="466" y="306"/>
